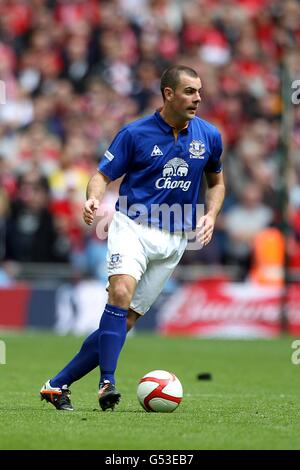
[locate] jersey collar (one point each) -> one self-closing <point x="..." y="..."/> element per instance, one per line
<point x="164" y="125"/>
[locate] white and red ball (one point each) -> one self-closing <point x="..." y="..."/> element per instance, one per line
<point x="160" y="391"/>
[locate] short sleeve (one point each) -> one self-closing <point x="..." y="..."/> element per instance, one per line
<point x="214" y="164"/>
<point x="116" y="159"/>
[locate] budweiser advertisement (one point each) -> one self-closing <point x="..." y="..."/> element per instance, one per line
<point x="220" y="308"/>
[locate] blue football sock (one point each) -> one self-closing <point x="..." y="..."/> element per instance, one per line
<point x="81" y="364"/>
<point x="112" y="334"/>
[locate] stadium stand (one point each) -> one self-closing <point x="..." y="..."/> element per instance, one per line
<point x="75" y="71"/>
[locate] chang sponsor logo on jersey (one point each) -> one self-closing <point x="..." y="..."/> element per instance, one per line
<point x="174" y="167"/>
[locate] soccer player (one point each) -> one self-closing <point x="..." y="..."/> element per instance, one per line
<point x="163" y="157"/>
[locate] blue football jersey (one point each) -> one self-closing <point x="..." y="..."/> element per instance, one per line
<point x="162" y="174"/>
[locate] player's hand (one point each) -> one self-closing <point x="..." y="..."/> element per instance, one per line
<point x="204" y="229"/>
<point x="89" y="210"/>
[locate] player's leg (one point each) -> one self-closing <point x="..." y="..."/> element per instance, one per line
<point x="127" y="262"/>
<point x="153" y="280"/>
<point x="138" y="289"/>
<point x="112" y="334"/>
<point x="56" y="390"/>
<point x="139" y="299"/>
<point x="132" y="318"/>
<point x="125" y="254"/>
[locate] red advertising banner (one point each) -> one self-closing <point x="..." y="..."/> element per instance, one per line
<point x="228" y="309"/>
<point x="14" y="306"/>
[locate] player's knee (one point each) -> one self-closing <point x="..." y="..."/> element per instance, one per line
<point x="120" y="295"/>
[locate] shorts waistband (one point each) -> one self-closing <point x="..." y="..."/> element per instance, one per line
<point x="150" y="227"/>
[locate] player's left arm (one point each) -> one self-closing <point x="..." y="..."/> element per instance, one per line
<point x="214" y="198"/>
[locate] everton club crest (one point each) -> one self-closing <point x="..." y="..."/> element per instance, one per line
<point x="115" y="261"/>
<point x="197" y="149"/>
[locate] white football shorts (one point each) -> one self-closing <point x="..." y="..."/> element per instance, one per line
<point x="146" y="253"/>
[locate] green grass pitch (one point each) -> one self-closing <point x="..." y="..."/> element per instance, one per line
<point x="252" y="401"/>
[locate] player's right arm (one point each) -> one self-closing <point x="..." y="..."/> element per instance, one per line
<point x="94" y="193"/>
<point x="113" y="165"/>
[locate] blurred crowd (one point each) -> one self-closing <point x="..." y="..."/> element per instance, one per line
<point x="73" y="72"/>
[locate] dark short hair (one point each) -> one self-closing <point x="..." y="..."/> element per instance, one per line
<point x="171" y="76"/>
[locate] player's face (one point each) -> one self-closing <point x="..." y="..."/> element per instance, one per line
<point x="186" y="97"/>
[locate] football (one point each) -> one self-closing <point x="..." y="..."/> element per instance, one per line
<point x="159" y="391"/>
